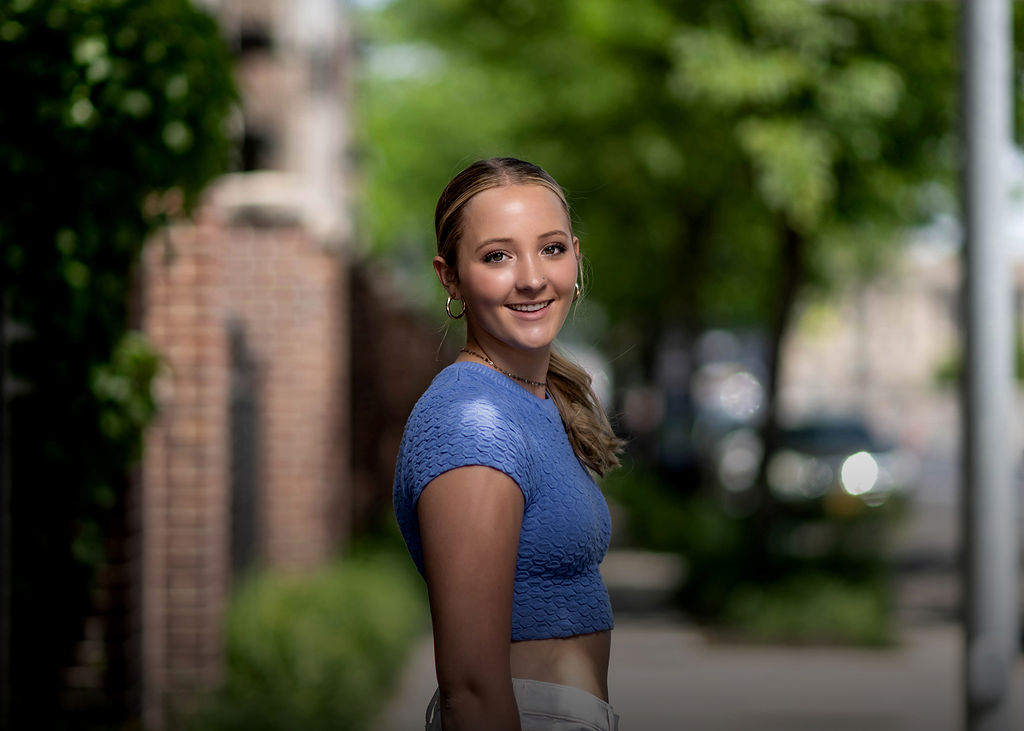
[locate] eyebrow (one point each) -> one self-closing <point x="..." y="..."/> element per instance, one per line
<point x="506" y="240"/>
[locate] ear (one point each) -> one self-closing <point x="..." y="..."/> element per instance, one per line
<point x="447" y="275"/>
<point x="576" y="248"/>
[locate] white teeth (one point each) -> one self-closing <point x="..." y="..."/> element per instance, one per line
<point x="529" y="308"/>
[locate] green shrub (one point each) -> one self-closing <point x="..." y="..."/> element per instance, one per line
<point x="316" y="651"/>
<point x="812" y="608"/>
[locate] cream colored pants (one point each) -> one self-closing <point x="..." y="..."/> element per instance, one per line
<point x="549" y="707"/>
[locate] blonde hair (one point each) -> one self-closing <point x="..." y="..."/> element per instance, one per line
<point x="590" y="434"/>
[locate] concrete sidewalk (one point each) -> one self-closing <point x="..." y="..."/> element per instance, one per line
<point x="666" y="676"/>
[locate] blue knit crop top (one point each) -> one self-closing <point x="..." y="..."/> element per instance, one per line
<point x="473" y="415"/>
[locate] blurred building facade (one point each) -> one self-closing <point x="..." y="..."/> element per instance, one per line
<point x="889" y="350"/>
<point x="248" y="462"/>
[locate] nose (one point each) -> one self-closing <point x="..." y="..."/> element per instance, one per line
<point x="530" y="275"/>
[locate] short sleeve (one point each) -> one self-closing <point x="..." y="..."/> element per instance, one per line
<point x="461" y="433"/>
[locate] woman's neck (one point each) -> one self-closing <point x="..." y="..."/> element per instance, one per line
<point x="527" y="368"/>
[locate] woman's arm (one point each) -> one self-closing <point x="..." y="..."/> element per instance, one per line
<point x="469" y="523"/>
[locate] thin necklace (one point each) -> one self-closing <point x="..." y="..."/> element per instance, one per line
<point x="492" y="364"/>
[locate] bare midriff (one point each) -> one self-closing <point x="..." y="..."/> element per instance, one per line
<point x="580" y="661"/>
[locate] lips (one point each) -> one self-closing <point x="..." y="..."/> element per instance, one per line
<point x="531" y="307"/>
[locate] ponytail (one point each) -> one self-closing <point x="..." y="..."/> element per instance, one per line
<point x="589" y="432"/>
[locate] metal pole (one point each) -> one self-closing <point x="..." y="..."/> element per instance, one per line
<point x="990" y="514"/>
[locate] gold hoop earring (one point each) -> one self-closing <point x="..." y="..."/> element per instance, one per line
<point x="577" y="292"/>
<point x="448" y="308"/>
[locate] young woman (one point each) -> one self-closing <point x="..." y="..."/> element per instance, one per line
<point x="493" y="489"/>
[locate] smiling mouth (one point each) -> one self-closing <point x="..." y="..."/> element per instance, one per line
<point x="530" y="308"/>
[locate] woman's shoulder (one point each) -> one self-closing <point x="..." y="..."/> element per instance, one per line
<point x="467" y="410"/>
<point x="470" y="394"/>
<point x="464" y="418"/>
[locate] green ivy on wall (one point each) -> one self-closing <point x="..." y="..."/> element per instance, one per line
<point x="114" y="116"/>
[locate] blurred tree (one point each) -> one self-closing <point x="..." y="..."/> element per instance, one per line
<point x="723" y="156"/>
<point x="113" y="118"/>
<point x="697" y="133"/>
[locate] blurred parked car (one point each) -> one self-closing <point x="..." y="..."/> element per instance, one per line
<point x="839" y="455"/>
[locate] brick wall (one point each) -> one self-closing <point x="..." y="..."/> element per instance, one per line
<point x="397" y="351"/>
<point x="213" y="293"/>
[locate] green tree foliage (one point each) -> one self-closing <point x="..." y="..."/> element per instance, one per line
<point x="696" y="138"/>
<point x="114" y="116"/>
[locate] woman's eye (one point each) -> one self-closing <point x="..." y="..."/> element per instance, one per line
<point x="557" y="248"/>
<point x="495" y="256"/>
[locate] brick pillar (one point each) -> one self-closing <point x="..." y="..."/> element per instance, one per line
<point x="281" y="299"/>
<point x="286" y="293"/>
<point x="185" y="473"/>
